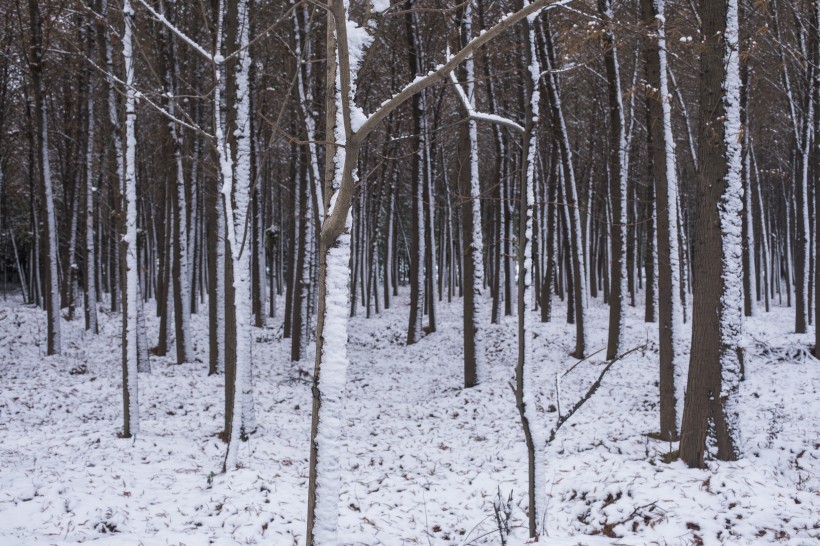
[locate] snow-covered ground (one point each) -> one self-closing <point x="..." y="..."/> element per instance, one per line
<point x="423" y="460"/>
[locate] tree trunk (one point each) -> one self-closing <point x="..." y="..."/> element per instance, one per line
<point x="48" y="239"/>
<point x="716" y="358"/>
<point x="662" y="150"/>
<point x="573" y="216"/>
<point x="417" y="238"/>
<point x="618" y="188"/>
<point x="130" y="350"/>
<point x="90" y="254"/>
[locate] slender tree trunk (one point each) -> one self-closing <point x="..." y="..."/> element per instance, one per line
<point x="525" y="368"/>
<point x="236" y="196"/>
<point x="662" y="148"/>
<point x="90" y="257"/>
<point x="816" y="157"/>
<point x="573" y="216"/>
<point x="417" y="253"/>
<point x="130" y="297"/>
<point x="748" y="220"/>
<point x="48" y="239"/>
<point x="618" y="192"/>
<point x="470" y="185"/>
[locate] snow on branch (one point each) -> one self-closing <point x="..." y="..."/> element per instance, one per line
<point x="162" y="19"/>
<point x="591" y="391"/>
<point x="442" y="71"/>
<point x="142" y="97"/>
<point x="481" y="116"/>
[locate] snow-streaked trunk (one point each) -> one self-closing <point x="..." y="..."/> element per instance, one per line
<point x="731" y="209"/>
<point x="54" y="346"/>
<point x="763" y="234"/>
<point x="90" y="256"/>
<point x="815" y="8"/>
<point x="236" y="195"/>
<point x="324" y="483"/>
<point x="40" y="116"/>
<point x="801" y="252"/>
<point x="307" y="274"/>
<point x="618" y="193"/>
<point x="71" y="276"/>
<point x="666" y="181"/>
<point x="193" y="235"/>
<point x="131" y="296"/>
<point x="220" y="287"/>
<point x="525" y="373"/>
<point x="388" y="244"/>
<point x="334" y="277"/>
<point x="303" y="78"/>
<point x="143" y="359"/>
<point x="749" y="282"/>
<point x="571" y="196"/>
<point x="475" y="371"/>
<point x="716" y="359"/>
<point x="217" y="330"/>
<point x="417" y="226"/>
<point x="182" y="297"/>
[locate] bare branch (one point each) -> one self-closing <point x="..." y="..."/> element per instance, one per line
<point x="481" y="116"/>
<point x="184" y="37"/>
<point x="592" y="390"/>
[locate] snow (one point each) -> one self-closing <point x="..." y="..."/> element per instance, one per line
<point x="379" y="6"/>
<point x="358" y="40"/>
<point x="420" y="458"/>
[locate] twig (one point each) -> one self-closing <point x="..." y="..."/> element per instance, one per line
<point x="592" y="390"/>
<point x="582" y="360"/>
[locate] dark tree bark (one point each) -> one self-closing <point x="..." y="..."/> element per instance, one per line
<point x="662" y="155"/>
<point x="716" y="359"/>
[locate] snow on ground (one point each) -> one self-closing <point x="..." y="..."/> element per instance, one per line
<point x="423" y="460"/>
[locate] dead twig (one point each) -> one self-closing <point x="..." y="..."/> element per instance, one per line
<point x="592" y="390"/>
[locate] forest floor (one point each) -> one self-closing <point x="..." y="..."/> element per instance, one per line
<point x="423" y="459"/>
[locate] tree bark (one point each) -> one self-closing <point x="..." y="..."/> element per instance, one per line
<point x="716" y="358"/>
<point x="662" y="150"/>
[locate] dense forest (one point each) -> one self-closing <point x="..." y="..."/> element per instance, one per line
<point x="225" y="180"/>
